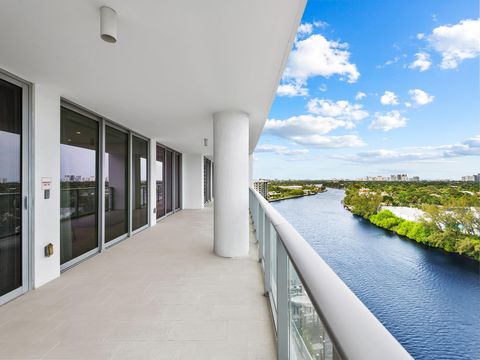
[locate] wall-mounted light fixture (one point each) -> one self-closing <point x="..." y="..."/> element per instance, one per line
<point x="205" y="142"/>
<point x="108" y="24"/>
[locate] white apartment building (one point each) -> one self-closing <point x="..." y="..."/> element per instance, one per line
<point x="120" y="123"/>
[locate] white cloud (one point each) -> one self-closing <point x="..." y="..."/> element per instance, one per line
<point x="456" y="43"/>
<point x="469" y="147"/>
<point x="420" y="97"/>
<point x="323" y="87"/>
<point x="360" y="95"/>
<point x="320" y="24"/>
<point x="279" y="149"/>
<point x="389" y="62"/>
<point x="304" y="29"/>
<point x="408" y="104"/>
<point x="291" y="89"/>
<point x="389" y="98"/>
<point x="322" y="141"/>
<point x="422" y="61"/>
<point x="302" y="125"/>
<point x="388" y="121"/>
<point x="311" y="130"/>
<point x="317" y="56"/>
<point x="342" y="110"/>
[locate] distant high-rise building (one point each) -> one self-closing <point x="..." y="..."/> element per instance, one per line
<point x="262" y="187"/>
<point x="469" y="178"/>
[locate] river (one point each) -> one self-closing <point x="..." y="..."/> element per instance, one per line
<point x="428" y="299"/>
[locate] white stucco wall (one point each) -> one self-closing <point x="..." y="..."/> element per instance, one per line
<point x="192" y="181"/>
<point x="46" y="157"/>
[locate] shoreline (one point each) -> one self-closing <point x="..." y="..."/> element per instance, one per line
<point x="348" y="208"/>
<point x="296" y="196"/>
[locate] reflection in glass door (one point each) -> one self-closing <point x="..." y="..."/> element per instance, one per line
<point x="160" y="174"/>
<point x="79" y="185"/>
<point x="11" y="210"/>
<point x="169" y="179"/>
<point x="139" y="182"/>
<point x="116" y="179"/>
<point x="178" y="181"/>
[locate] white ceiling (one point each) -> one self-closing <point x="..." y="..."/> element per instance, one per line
<point x="174" y="64"/>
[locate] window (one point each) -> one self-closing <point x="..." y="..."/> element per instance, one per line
<point x="139" y="182"/>
<point x="79" y="185"/>
<point x="116" y="180"/>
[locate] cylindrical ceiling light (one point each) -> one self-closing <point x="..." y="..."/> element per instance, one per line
<point x="108" y="24"/>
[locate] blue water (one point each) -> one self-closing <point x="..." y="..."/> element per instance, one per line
<point x="429" y="300"/>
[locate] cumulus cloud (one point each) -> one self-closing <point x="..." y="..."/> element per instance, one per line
<point x="422" y="61"/>
<point x="469" y="147"/>
<point x="279" y="149"/>
<point x="304" y="30"/>
<point x="311" y="130"/>
<point x="388" y="121"/>
<point x="360" y="95"/>
<point x="342" y="110"/>
<point x="420" y="97"/>
<point x="455" y="43"/>
<point x="322" y="141"/>
<point x="389" y="98"/>
<point x="291" y="89"/>
<point x="317" y="56"/>
<point x="302" y="125"/>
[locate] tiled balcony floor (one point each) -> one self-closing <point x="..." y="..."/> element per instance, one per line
<point x="161" y="294"/>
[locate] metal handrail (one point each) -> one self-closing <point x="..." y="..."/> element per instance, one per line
<point x="355" y="332"/>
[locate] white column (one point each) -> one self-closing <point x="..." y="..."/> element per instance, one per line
<point x="230" y="133"/>
<point x="192" y="187"/>
<point x="250" y="169"/>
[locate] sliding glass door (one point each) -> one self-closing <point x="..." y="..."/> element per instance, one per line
<point x="116" y="183"/>
<point x="13" y="225"/>
<point x="78" y="186"/>
<point x="169" y="180"/>
<point x="139" y="183"/>
<point x="160" y="181"/>
<point x="178" y="181"/>
<point x="207" y="180"/>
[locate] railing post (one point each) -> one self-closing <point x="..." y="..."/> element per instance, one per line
<point x="282" y="302"/>
<point x="267" y="254"/>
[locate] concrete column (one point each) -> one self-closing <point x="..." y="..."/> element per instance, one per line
<point x="192" y="170"/>
<point x="230" y="134"/>
<point x="250" y="169"/>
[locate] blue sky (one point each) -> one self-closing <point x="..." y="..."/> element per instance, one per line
<point x="377" y="88"/>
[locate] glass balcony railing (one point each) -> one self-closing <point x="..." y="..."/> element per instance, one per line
<point x="316" y="316"/>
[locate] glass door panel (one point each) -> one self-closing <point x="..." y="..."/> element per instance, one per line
<point x="178" y="181"/>
<point x="160" y="174"/>
<point x="169" y="156"/>
<point x="78" y="185"/>
<point x="139" y="182"/>
<point x="116" y="179"/>
<point x="11" y="106"/>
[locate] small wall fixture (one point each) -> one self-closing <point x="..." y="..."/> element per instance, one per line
<point x="108" y="24"/>
<point x="205" y="142"/>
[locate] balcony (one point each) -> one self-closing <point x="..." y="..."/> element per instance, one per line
<point x="164" y="294"/>
<point x="161" y="294"/>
